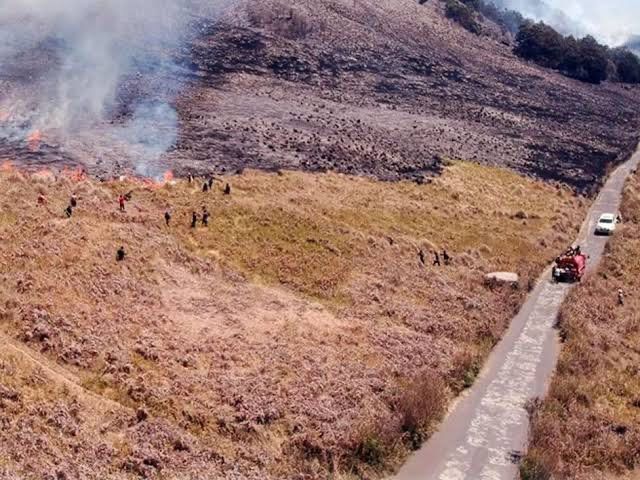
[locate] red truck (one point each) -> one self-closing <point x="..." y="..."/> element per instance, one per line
<point x="570" y="267"/>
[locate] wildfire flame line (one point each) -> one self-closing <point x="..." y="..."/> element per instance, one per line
<point x="79" y="174"/>
<point x="7" y="166"/>
<point x="34" y="139"/>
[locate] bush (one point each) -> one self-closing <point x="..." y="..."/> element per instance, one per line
<point x="540" y="43"/>
<point x="463" y="14"/>
<point x="627" y="65"/>
<point x="420" y="405"/>
<point x="592" y="61"/>
<point x="464" y="372"/>
<point x="370" y="451"/>
<point x="530" y="469"/>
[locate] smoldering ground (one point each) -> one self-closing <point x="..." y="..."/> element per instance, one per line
<point x="70" y="68"/>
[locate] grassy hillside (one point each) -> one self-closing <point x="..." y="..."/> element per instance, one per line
<point x="588" y="427"/>
<point x="298" y="334"/>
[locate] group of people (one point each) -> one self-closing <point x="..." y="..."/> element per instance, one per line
<point x="573" y="251"/>
<point x="208" y="185"/>
<point x="203" y="217"/>
<point x="436" y="258"/>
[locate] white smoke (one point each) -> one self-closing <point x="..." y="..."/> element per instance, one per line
<point x="66" y="64"/>
<point x="543" y="11"/>
<point x="611" y="22"/>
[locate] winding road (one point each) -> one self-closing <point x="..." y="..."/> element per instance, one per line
<point x="485" y="432"/>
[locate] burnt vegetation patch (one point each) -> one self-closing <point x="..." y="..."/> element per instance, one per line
<point x="324" y="91"/>
<point x="361" y="89"/>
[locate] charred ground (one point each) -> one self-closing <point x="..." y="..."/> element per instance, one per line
<point x="378" y="88"/>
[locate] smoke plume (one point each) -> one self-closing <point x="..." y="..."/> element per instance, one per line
<point x="612" y="22"/>
<point x="69" y="66"/>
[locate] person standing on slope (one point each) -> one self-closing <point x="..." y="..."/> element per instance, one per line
<point x="205" y="217"/>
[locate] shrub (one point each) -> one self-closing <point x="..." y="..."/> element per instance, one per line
<point x="627" y="65"/>
<point x="592" y="61"/>
<point x="463" y="14"/>
<point x="465" y="370"/>
<point x="370" y="451"/>
<point x="540" y="43"/>
<point x="530" y="469"/>
<point x="420" y="405"/>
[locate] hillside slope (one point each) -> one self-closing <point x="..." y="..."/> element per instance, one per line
<point x="298" y="334"/>
<point x="386" y="88"/>
<point x="589" y="426"/>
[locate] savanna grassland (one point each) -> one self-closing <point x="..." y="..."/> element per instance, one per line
<point x="299" y="335"/>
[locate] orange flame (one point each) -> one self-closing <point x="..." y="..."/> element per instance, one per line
<point x="45" y="174"/>
<point x="4" y="116"/>
<point x="168" y="176"/>
<point x="76" y="174"/>
<point x="7" y="166"/>
<point x="34" y="139"/>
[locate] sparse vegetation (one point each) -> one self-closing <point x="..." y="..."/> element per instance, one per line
<point x="588" y="427"/>
<point x="463" y="14"/>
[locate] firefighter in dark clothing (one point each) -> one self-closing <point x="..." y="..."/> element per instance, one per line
<point x="205" y="217"/>
<point x="167" y="217"/>
<point x="68" y="211"/>
<point x="227" y="189"/>
<point x="194" y="220"/>
<point x="120" y="254"/>
<point x="436" y="259"/>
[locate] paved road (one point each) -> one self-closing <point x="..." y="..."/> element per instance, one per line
<point x="486" y="430"/>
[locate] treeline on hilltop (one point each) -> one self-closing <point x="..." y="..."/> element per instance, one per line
<point x="581" y="58"/>
<point x="584" y="59"/>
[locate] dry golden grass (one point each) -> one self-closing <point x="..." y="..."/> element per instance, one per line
<point x="286" y="337"/>
<point x="589" y="426"/>
<point x="273" y="221"/>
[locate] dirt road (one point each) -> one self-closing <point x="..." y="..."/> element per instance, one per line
<point x="485" y="432"/>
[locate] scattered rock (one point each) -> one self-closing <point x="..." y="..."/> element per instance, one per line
<point x="503" y="277"/>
